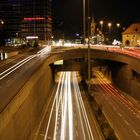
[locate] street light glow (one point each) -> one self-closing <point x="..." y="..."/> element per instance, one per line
<point x="101" y="22"/>
<point x="109" y="24"/>
<point x="2" y="22"/>
<point x="118" y="25"/>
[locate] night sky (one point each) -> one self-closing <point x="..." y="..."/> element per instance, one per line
<point x="67" y="14"/>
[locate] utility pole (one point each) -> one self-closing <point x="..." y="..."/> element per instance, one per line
<point x="89" y="67"/>
<point x="84" y="26"/>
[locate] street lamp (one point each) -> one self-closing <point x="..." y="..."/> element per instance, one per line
<point x="89" y="66"/>
<point x="101" y="23"/>
<point x="88" y="28"/>
<point x="118" y="25"/>
<point x="109" y="26"/>
<point x="1" y="21"/>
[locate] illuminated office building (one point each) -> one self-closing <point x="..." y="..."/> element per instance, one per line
<point x="27" y="18"/>
<point x="36" y="19"/>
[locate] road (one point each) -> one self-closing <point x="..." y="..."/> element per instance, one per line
<point x="121" y="112"/>
<point x="68" y="115"/>
<point x="14" y="75"/>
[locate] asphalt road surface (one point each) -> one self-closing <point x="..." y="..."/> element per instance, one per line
<point x="14" y="75"/>
<point x="122" y="113"/>
<point x="68" y="114"/>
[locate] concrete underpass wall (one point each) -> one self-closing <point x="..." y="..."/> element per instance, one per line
<point x="123" y="77"/>
<point x="22" y="114"/>
<point x="135" y="86"/>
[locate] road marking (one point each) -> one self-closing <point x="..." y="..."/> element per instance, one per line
<point x="77" y="133"/>
<point x="130" y="103"/>
<point x="134" y="113"/>
<point x="42" y="135"/>
<point x="126" y="122"/>
<point x="135" y="133"/>
<point x="114" y="108"/>
<point x="110" y="103"/>
<point x="120" y="114"/>
<point x="49" y="138"/>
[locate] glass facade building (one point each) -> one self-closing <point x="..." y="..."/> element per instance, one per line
<point x="27" y="18"/>
<point x="36" y="19"/>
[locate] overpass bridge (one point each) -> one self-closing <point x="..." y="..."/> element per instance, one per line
<point x="26" y="103"/>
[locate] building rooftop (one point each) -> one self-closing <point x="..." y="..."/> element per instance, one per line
<point x="133" y="29"/>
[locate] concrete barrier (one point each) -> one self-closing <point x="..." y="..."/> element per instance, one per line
<point x="22" y="114"/>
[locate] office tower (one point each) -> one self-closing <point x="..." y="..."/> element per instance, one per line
<point x="27" y="18"/>
<point x="36" y="19"/>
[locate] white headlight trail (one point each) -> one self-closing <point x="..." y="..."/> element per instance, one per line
<point x="16" y="66"/>
<point x="84" y="111"/>
<point x="47" y="128"/>
<point x="58" y="99"/>
<point x="78" y="105"/>
<point x="70" y="109"/>
<point x="64" y="110"/>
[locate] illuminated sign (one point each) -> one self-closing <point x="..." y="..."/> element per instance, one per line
<point x="60" y="62"/>
<point x="34" y="18"/>
<point x="32" y="37"/>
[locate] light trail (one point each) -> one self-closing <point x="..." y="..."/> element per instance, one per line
<point x="50" y="117"/>
<point x="78" y="106"/>
<point x="125" y="108"/>
<point x="70" y="108"/>
<point x="90" y="135"/>
<point x="63" y="101"/>
<point x="111" y="91"/>
<point x="64" y="110"/>
<point x="22" y="62"/>
<point x="58" y="100"/>
<point x="15" y="68"/>
<point x="15" y="65"/>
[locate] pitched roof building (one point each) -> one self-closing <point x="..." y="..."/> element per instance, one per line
<point x="131" y="36"/>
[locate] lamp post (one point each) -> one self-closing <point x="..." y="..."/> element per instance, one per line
<point x="101" y="23"/>
<point x="109" y="27"/>
<point x="118" y="25"/>
<point x="89" y="66"/>
<point x="84" y="26"/>
<point x="1" y="22"/>
<point x="88" y="30"/>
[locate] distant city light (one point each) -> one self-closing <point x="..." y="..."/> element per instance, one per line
<point x="109" y="24"/>
<point x="101" y="22"/>
<point x="118" y="25"/>
<point x="32" y="37"/>
<point x="77" y="34"/>
<point x="2" y="22"/>
<point x="116" y="42"/>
